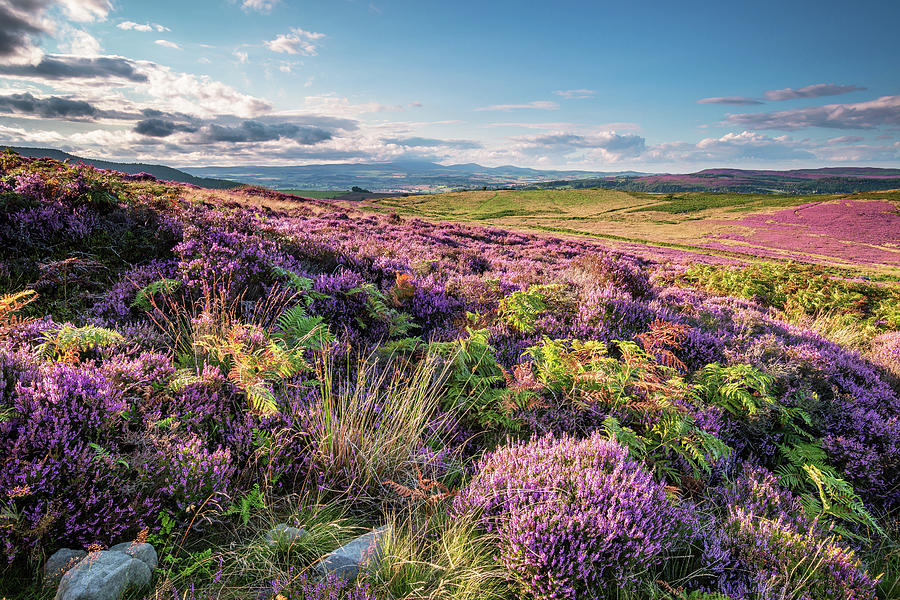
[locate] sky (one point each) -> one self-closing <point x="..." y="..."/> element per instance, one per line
<point x="646" y="85"/>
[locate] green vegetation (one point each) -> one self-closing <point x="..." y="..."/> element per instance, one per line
<point x="321" y="194"/>
<point x="695" y="202"/>
<point x="805" y="294"/>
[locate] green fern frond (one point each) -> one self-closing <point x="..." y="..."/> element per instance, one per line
<point x="741" y="389"/>
<point x="521" y="309"/>
<point x="637" y="445"/>
<point x="301" y="284"/>
<point x="143" y="299"/>
<point x="68" y="342"/>
<point x="297" y="329"/>
<point x="182" y="379"/>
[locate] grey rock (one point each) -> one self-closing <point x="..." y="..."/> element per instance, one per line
<point x="284" y="535"/>
<point x="59" y="562"/>
<point x="362" y="552"/>
<point x="143" y="552"/>
<point x="103" y="575"/>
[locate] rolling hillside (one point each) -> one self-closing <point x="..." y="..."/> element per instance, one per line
<point x="158" y="171"/>
<point x="840" y="180"/>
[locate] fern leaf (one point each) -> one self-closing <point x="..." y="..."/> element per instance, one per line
<point x="144" y="298"/>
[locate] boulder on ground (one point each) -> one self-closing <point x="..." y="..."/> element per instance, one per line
<point x="143" y="552"/>
<point x="362" y="552"/>
<point x="59" y="562"/>
<point x="103" y="575"/>
<point x="283" y="535"/>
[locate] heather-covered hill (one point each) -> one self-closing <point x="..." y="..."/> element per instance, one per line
<point x="856" y="232"/>
<point x="157" y="171"/>
<point x="832" y="180"/>
<point x="531" y="417"/>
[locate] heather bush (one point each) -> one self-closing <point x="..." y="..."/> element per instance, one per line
<point x="575" y="518"/>
<point x="796" y="564"/>
<point x="66" y="470"/>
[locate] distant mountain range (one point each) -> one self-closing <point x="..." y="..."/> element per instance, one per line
<point x="397" y="176"/>
<point x="420" y="176"/>
<point x="158" y="171"/>
<point x="834" y="180"/>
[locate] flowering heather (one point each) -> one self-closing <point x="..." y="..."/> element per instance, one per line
<point x="804" y="564"/>
<point x="62" y="438"/>
<point x="573" y="515"/>
<point x="192" y="475"/>
<point x="886" y="350"/>
<point x="332" y="587"/>
<point x="853" y="231"/>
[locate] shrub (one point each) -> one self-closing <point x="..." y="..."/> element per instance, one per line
<point x="574" y="517"/>
<point x="65" y="474"/>
<point x="801" y="565"/>
<point x="191" y="475"/>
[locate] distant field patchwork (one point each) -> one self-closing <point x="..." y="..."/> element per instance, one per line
<point x="857" y="231"/>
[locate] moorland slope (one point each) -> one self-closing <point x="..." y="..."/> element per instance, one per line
<point x="531" y="416"/>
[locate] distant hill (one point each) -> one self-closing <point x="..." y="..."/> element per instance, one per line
<point x="422" y="176"/>
<point x="158" y="171"/>
<point x="832" y="180"/>
<point x="396" y="176"/>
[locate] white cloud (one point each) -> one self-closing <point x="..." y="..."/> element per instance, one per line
<point x="87" y="11"/>
<point x="731" y="148"/>
<point x="145" y="27"/>
<point x="16" y="135"/>
<point x="298" y="41"/>
<point x="199" y="95"/>
<point x="105" y="138"/>
<point x="857" y="115"/>
<point x="167" y="44"/>
<point x="129" y="25"/>
<point x="78" y="42"/>
<point x="340" y="106"/>
<point x="242" y="57"/>
<point x="576" y="94"/>
<point x="262" y="6"/>
<point x="537" y="104"/>
<point x="606" y="146"/>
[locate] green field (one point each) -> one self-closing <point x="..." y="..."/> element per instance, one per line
<point x="700" y="222"/>
<point x="324" y="194"/>
<point x="584" y="205"/>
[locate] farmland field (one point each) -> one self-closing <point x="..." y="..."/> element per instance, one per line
<point x="857" y="231"/>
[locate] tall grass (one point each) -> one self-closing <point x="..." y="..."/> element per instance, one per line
<point x="371" y="429"/>
<point x="244" y="563"/>
<point x="438" y="558"/>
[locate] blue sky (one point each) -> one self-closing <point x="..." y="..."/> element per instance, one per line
<point x="608" y="86"/>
